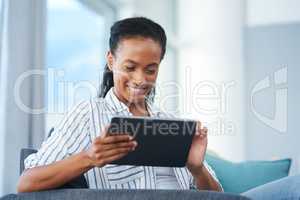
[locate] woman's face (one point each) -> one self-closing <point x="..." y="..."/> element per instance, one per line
<point x="135" y="68"/>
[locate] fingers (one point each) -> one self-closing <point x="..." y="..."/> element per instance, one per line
<point x="106" y="157"/>
<point x="198" y="126"/>
<point x="113" y="142"/>
<point x="117" y="139"/>
<point x="203" y="132"/>
<point x="105" y="131"/>
<point x="107" y="148"/>
<point x="113" y="152"/>
<point x="131" y="144"/>
<point x="112" y="139"/>
<point x="113" y="158"/>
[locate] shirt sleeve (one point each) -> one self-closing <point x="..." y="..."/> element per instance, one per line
<point x="67" y="137"/>
<point x="211" y="172"/>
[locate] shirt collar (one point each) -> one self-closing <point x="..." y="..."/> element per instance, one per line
<point x="114" y="102"/>
<point x="119" y="106"/>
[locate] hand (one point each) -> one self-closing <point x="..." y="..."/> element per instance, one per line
<point x="197" y="150"/>
<point x="107" y="148"/>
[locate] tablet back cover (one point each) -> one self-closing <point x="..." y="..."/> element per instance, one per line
<point x="161" y="142"/>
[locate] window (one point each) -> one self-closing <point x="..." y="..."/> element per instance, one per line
<point x="1" y="30"/>
<point x="74" y="56"/>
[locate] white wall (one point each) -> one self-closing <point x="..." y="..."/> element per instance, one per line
<point x="272" y="46"/>
<point x="23" y="50"/>
<point x="272" y="12"/>
<point x="211" y="46"/>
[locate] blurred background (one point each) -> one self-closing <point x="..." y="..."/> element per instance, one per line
<point x="233" y="64"/>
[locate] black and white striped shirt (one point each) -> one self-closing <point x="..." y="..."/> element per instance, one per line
<point x="84" y="123"/>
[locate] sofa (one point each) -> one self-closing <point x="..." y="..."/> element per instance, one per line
<point x="91" y="194"/>
<point x="77" y="189"/>
<point x="235" y="178"/>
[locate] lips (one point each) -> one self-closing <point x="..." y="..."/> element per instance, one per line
<point x="138" y="90"/>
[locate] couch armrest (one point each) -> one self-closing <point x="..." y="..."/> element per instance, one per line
<point x="23" y="155"/>
<point x="89" y="194"/>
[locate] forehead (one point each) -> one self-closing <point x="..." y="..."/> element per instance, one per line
<point x="139" y="49"/>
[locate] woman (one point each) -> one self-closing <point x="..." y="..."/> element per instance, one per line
<point x="80" y="144"/>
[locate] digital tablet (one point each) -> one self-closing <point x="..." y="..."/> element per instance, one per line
<point x="161" y="142"/>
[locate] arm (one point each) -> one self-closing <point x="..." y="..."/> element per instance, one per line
<point x="103" y="150"/>
<point x="203" y="176"/>
<point x="56" y="162"/>
<point x="52" y="158"/>
<point x="203" y="180"/>
<point x="55" y="174"/>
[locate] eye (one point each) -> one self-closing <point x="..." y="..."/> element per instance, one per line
<point x="151" y="70"/>
<point x="129" y="68"/>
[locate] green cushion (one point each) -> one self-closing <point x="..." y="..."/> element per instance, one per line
<point x="240" y="177"/>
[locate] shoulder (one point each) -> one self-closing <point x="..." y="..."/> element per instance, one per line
<point x="80" y="108"/>
<point x="84" y="108"/>
<point x="100" y="105"/>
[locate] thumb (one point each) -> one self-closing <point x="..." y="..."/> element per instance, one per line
<point x="105" y="131"/>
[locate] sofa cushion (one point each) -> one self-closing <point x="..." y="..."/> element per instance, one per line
<point x="240" y="177"/>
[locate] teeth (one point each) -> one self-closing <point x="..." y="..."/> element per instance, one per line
<point x="137" y="90"/>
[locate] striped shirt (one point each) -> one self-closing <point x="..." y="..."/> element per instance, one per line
<point x="165" y="178"/>
<point x="78" y="129"/>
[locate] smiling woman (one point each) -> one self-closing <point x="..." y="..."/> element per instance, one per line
<point x="132" y="62"/>
<point x="81" y="143"/>
<point x="135" y="76"/>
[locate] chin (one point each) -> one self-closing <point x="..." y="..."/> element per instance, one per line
<point x="136" y="96"/>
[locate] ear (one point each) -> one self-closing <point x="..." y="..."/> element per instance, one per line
<point x="109" y="60"/>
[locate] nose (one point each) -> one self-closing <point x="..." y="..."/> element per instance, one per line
<point x="138" y="79"/>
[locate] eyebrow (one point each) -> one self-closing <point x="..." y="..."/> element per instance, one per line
<point x="131" y="61"/>
<point x="135" y="63"/>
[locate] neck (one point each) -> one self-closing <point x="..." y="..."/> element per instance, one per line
<point x="136" y="108"/>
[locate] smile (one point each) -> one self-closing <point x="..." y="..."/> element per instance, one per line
<point x="137" y="91"/>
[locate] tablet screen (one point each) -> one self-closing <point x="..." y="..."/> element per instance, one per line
<point x="161" y="142"/>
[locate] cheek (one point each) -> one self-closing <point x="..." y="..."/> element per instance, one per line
<point x="151" y="78"/>
<point x="120" y="79"/>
